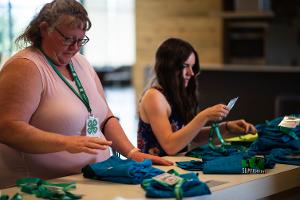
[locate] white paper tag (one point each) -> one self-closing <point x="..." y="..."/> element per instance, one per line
<point x="231" y="103"/>
<point x="169" y="179"/>
<point x="92" y="126"/>
<point x="289" y="122"/>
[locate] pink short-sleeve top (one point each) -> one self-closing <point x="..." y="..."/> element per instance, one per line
<point x="59" y="111"/>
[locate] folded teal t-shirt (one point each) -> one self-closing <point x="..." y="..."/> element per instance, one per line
<point x="191" y="187"/>
<point x="118" y="170"/>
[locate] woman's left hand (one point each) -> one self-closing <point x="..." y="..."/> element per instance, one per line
<point x="139" y="156"/>
<point x="240" y="126"/>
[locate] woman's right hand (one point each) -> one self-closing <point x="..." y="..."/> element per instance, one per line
<point x="216" y="112"/>
<point x="139" y="156"/>
<point x="79" y="144"/>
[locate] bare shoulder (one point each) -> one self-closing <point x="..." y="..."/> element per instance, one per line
<point x="20" y="89"/>
<point x="153" y="95"/>
<point x="153" y="99"/>
<point x="20" y="69"/>
<point x="154" y="103"/>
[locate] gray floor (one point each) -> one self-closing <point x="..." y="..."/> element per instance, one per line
<point x="121" y="101"/>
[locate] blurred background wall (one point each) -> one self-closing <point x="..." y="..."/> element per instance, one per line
<point x="247" y="48"/>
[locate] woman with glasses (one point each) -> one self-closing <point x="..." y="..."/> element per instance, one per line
<point x="54" y="118"/>
<point x="169" y="118"/>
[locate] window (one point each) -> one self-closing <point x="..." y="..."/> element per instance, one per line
<point x="112" y="34"/>
<point x="12" y="22"/>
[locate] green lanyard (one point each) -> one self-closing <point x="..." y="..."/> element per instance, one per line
<point x="47" y="190"/>
<point x="81" y="95"/>
<point x="216" y="129"/>
<point x="17" y="196"/>
<point x="178" y="187"/>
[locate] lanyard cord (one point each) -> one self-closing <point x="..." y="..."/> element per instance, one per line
<point x="44" y="189"/>
<point x="215" y="129"/>
<point x="82" y="96"/>
<point x="178" y="190"/>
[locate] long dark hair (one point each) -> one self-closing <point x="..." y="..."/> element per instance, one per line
<point x="169" y="63"/>
<point x="50" y="13"/>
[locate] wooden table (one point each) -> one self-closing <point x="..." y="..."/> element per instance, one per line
<point x="252" y="186"/>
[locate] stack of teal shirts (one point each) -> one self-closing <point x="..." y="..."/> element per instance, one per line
<point x="284" y="156"/>
<point x="271" y="136"/>
<point x="118" y="170"/>
<point x="277" y="143"/>
<point x="234" y="164"/>
<point x="189" y="186"/>
<point x="205" y="152"/>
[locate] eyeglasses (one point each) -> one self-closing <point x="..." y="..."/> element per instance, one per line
<point x="70" y="41"/>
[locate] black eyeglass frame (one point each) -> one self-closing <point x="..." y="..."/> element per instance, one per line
<point x="70" y="41"/>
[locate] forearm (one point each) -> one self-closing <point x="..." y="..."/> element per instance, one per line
<point x="205" y="130"/>
<point x="184" y="136"/>
<point x="115" y="133"/>
<point x="26" y="138"/>
<point x="202" y="136"/>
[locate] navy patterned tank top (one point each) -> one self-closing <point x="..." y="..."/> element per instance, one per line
<point x="146" y="139"/>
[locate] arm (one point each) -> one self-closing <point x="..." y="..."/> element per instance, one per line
<point x="202" y="137"/>
<point x="20" y="91"/>
<point x="228" y="129"/>
<point x="239" y="126"/>
<point x="155" y="110"/>
<point x="113" y="130"/>
<point x="115" y="133"/>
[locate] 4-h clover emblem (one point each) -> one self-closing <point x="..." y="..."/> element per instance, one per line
<point x="92" y="126"/>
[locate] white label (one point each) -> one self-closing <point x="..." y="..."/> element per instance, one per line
<point x="289" y="122"/>
<point x="167" y="178"/>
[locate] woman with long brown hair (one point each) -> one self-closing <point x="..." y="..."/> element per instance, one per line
<point x="169" y="118"/>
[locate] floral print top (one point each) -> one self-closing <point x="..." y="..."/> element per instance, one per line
<point x="146" y="139"/>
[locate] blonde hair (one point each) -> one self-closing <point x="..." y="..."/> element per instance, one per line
<point x="51" y="13"/>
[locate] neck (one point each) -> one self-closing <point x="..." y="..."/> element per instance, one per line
<point x="51" y="60"/>
<point x="48" y="57"/>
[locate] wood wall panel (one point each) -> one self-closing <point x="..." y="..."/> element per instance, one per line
<point x="191" y="20"/>
<point x="161" y="8"/>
